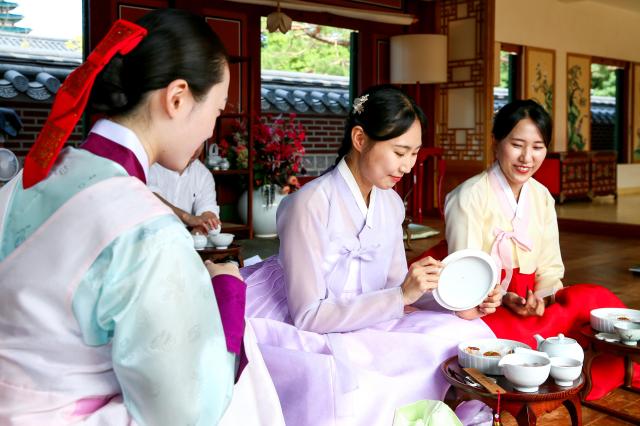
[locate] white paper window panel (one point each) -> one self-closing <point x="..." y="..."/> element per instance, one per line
<point x="461" y="108"/>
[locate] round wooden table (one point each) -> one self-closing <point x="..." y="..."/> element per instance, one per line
<point x="214" y="254"/>
<point x="598" y="347"/>
<point x="525" y="407"/>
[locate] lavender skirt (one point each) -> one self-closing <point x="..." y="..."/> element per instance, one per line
<point x="359" y="377"/>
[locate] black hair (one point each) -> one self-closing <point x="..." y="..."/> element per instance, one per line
<point x="510" y="115"/>
<point x="387" y="113"/>
<point x="179" y="45"/>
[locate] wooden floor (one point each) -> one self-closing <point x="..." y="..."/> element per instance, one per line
<point x="624" y="209"/>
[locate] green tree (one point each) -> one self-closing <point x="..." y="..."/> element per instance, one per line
<point x="603" y="80"/>
<point x="504" y="69"/>
<point x="306" y="48"/>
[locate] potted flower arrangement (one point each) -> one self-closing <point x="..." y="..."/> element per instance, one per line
<point x="277" y="159"/>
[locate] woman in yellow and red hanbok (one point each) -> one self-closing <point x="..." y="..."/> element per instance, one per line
<point x="505" y="212"/>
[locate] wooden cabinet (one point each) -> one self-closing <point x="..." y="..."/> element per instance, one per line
<point x="604" y="166"/>
<point x="579" y="175"/>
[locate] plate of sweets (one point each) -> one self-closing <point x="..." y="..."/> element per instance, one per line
<point x="603" y="319"/>
<point x="485" y="354"/>
<point x="466" y="279"/>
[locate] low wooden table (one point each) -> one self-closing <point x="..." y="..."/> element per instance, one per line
<point x="214" y="254"/>
<point x="598" y="347"/>
<point x="525" y="407"/>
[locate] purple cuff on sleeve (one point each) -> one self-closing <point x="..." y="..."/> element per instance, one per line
<point x="231" y="295"/>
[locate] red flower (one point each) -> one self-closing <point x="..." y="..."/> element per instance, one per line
<point x="277" y="150"/>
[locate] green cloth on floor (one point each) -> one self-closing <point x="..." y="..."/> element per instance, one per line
<point x="426" y="413"/>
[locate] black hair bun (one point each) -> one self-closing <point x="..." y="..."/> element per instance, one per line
<point x="108" y="93"/>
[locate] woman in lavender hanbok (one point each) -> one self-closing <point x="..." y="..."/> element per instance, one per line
<point x="345" y="329"/>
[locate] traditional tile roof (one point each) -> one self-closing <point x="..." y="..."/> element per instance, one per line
<point x="283" y="91"/>
<point x="28" y="48"/>
<point x="34" y="66"/>
<point x="603" y="108"/>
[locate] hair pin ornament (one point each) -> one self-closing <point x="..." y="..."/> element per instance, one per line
<point x="358" y="103"/>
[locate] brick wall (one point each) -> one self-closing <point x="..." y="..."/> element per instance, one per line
<point x="33" y="116"/>
<point x="324" y="136"/>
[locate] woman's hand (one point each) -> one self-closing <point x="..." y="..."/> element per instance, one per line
<point x="423" y="276"/>
<point x="211" y="219"/>
<point x="203" y="223"/>
<point x="488" y="305"/>
<point x="228" y="268"/>
<point x="530" y="306"/>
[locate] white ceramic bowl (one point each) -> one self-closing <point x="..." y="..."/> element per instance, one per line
<point x="466" y="279"/>
<point x="565" y="370"/>
<point x="199" y="241"/>
<point x="526" y="371"/>
<point x="602" y="319"/>
<point x="216" y="231"/>
<point x="628" y="331"/>
<point x="221" y="240"/>
<point x="486" y="364"/>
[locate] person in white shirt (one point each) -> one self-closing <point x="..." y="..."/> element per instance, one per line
<point x="191" y="194"/>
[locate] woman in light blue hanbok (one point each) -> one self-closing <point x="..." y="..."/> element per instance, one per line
<point x="107" y="313"/>
<point x="344" y="327"/>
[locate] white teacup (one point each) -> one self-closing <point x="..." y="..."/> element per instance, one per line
<point x="222" y="240"/>
<point x="199" y="241"/>
<point x="565" y="370"/>
<point x="628" y="331"/>
<point x="526" y="369"/>
<point x="215" y="231"/>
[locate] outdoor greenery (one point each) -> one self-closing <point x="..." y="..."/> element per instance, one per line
<point x="603" y="77"/>
<point x="603" y="80"/>
<point x="306" y="48"/>
<point x="504" y="69"/>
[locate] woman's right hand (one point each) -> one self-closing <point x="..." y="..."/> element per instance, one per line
<point x="423" y="276"/>
<point x="228" y="268"/>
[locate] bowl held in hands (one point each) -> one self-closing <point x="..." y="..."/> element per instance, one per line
<point x="216" y="231"/>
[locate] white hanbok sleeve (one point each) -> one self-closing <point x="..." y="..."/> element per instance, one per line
<point x="155" y="300"/>
<point x="463" y="218"/>
<point x="549" y="268"/>
<point x="205" y="192"/>
<point x="304" y="239"/>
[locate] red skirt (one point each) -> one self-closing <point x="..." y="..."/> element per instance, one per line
<point x="570" y="312"/>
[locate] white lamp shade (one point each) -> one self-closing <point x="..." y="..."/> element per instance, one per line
<point x="419" y="58"/>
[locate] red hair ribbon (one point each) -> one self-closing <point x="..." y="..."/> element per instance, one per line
<point x="72" y="99"/>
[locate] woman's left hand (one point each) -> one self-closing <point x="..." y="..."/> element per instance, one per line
<point x="491" y="302"/>
<point x="488" y="305"/>
<point x="228" y="268"/>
